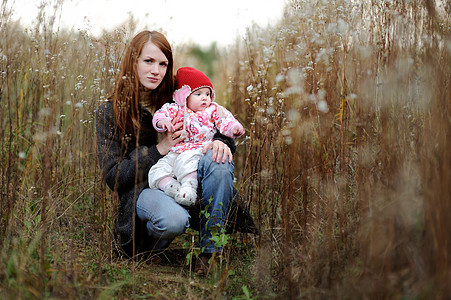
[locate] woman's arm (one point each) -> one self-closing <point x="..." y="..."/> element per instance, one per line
<point x="120" y="171"/>
<point x="229" y="142"/>
<point x="222" y="147"/>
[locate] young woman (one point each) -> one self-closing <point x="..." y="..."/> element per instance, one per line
<point x="128" y="147"/>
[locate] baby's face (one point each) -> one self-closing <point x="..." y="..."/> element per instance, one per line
<point x="199" y="100"/>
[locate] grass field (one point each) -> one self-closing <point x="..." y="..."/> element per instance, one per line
<point x="345" y="164"/>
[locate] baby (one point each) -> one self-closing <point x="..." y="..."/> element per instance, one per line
<point x="176" y="173"/>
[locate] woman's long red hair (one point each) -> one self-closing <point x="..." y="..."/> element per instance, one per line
<point x="126" y="94"/>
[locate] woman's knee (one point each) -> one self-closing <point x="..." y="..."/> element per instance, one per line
<point x="165" y="218"/>
<point x="210" y="167"/>
<point x="174" y="224"/>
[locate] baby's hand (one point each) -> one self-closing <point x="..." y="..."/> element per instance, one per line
<point x="165" y="124"/>
<point x="238" y="130"/>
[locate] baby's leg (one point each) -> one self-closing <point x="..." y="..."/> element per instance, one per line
<point x="169" y="185"/>
<point x="161" y="173"/>
<point x="187" y="195"/>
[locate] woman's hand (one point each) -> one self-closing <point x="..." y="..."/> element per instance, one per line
<point x="221" y="152"/>
<point x="171" y="138"/>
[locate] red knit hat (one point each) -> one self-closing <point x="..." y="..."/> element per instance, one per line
<point x="189" y="80"/>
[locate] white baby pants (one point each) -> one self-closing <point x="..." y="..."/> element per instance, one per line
<point x="175" y="165"/>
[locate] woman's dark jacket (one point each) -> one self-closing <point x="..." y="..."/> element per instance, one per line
<point x="125" y="167"/>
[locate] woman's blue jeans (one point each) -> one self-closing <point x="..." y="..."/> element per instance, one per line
<point x="166" y="219"/>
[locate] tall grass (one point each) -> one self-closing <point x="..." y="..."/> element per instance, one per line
<point x="52" y="207"/>
<point x="345" y="165"/>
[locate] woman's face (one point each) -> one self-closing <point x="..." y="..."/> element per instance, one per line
<point x="152" y="66"/>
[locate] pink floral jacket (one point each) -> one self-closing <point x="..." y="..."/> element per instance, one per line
<point x="201" y="125"/>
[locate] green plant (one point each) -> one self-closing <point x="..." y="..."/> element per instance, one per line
<point x="219" y="237"/>
<point x="188" y="242"/>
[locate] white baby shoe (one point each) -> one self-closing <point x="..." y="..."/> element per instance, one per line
<point x="172" y="188"/>
<point x="187" y="194"/>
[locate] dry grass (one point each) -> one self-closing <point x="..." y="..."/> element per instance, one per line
<point x="345" y="165"/>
